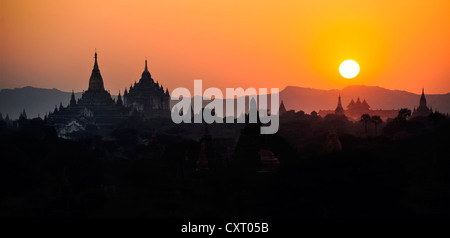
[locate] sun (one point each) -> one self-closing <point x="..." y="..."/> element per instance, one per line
<point x="349" y="69"/>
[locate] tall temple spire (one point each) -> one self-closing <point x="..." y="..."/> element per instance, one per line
<point x="146" y="76"/>
<point x="146" y="68"/>
<point x="423" y="109"/>
<point x="95" y="64"/>
<point x="423" y="100"/>
<point x="96" y="80"/>
<point x="339" y="109"/>
<point x="119" y="100"/>
<point x="281" y="109"/>
<point x="73" y="102"/>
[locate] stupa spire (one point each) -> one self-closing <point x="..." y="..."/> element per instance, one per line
<point x="95" y="56"/>
<point x="146" y="74"/>
<point x="146" y="68"/>
<point x="423" y="100"/>
<point x="339" y="109"/>
<point x="96" y="80"/>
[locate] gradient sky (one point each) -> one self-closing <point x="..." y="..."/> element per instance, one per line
<point x="227" y="43"/>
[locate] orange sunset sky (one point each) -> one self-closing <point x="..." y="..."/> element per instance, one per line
<point x="227" y="43"/>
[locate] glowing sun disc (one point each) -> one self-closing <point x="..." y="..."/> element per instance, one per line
<point x="349" y="69"/>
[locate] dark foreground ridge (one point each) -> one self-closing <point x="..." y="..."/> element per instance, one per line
<point x="313" y="168"/>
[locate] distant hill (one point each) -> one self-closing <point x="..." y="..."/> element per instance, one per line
<point x="40" y="101"/>
<point x="308" y="99"/>
<point x="34" y="100"/>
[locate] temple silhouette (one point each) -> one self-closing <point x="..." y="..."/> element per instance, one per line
<point x="422" y="110"/>
<point x="107" y="157"/>
<point x="357" y="108"/>
<point x="97" y="109"/>
<point x="148" y="97"/>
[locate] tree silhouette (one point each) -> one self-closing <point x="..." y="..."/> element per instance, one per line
<point x="403" y="114"/>
<point x="376" y="120"/>
<point x="436" y="117"/>
<point x="365" y="118"/>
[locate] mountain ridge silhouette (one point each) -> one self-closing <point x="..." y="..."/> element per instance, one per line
<point x="40" y="100"/>
<point x="35" y="101"/>
<point x="309" y="99"/>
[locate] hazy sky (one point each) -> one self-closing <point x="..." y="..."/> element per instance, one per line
<point x="227" y="43"/>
